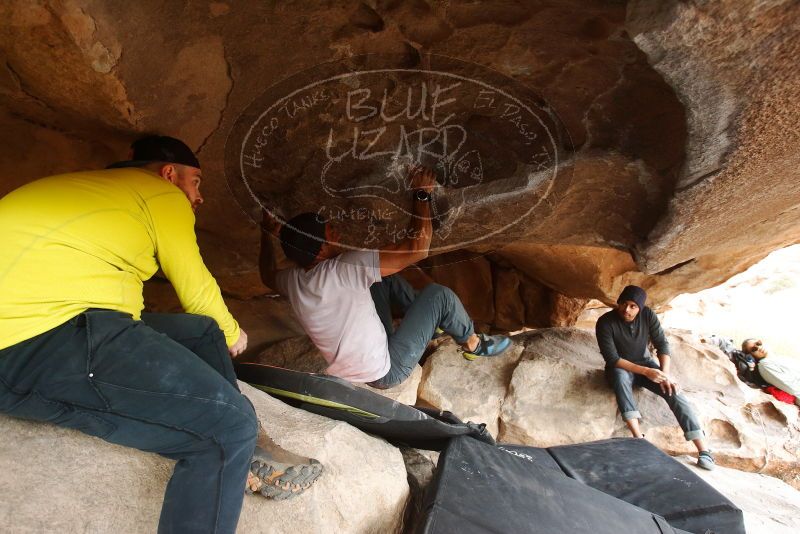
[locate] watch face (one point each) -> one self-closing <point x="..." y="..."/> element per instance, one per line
<point x="422" y="195"/>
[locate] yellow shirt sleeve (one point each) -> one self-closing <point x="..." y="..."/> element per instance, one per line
<point x="179" y="257"/>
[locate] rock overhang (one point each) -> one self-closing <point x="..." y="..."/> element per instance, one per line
<point x="669" y="130"/>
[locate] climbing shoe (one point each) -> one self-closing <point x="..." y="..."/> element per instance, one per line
<point x="488" y="347"/>
<point x="706" y="461"/>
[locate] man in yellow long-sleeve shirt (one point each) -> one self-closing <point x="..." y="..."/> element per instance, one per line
<point x="76" y="349"/>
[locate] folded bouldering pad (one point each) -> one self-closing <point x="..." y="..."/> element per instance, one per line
<point x="540" y="457"/>
<point x="371" y="412"/>
<point x="637" y="472"/>
<point x="480" y="488"/>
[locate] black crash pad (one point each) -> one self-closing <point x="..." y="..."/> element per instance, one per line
<point x="637" y="472"/>
<point x="540" y="457"/>
<point x="480" y="488"/>
<point x="371" y="412"/>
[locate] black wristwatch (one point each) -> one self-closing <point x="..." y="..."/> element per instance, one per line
<point x="422" y="195"/>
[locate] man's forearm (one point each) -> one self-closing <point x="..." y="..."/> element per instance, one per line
<point x="628" y="365"/>
<point x="421" y="228"/>
<point x="664" y="360"/>
<point x="270" y="225"/>
<point x="417" y="243"/>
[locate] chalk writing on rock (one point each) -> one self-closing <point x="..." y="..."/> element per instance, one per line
<point x="340" y="141"/>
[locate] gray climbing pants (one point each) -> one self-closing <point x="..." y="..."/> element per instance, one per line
<point x="435" y="306"/>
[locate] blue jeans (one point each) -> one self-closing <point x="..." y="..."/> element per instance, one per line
<point x="435" y="306"/>
<point x="164" y="384"/>
<point x="623" y="382"/>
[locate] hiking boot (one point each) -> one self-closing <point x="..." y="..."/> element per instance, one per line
<point x="488" y="347"/>
<point x="706" y="461"/>
<point x="277" y="473"/>
<point x="280" y="481"/>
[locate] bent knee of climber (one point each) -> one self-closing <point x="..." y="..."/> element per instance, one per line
<point x="439" y="291"/>
<point x="240" y="421"/>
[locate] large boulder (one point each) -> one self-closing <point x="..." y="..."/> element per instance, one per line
<point x="557" y="393"/>
<point x="551" y="391"/>
<point x="404" y="392"/>
<point x="473" y="390"/>
<point x="61" y="480"/>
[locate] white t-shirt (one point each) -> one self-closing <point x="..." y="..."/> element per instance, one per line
<point x="333" y="303"/>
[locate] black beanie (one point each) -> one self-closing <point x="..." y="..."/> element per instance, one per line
<point x="302" y="238"/>
<point x="634" y="293"/>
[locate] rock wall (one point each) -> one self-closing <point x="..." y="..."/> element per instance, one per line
<point x="679" y="162"/>
<point x="739" y="148"/>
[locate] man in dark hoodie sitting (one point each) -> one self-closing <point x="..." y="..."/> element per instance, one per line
<point x="623" y="335"/>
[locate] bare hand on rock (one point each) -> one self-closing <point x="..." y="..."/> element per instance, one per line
<point x="241" y="344"/>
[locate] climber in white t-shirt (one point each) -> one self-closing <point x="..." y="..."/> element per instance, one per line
<point x="343" y="298"/>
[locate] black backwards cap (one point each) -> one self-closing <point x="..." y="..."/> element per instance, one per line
<point x="302" y="238"/>
<point x="155" y="148"/>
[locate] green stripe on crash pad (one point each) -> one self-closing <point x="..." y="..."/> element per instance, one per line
<point x="316" y="400"/>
